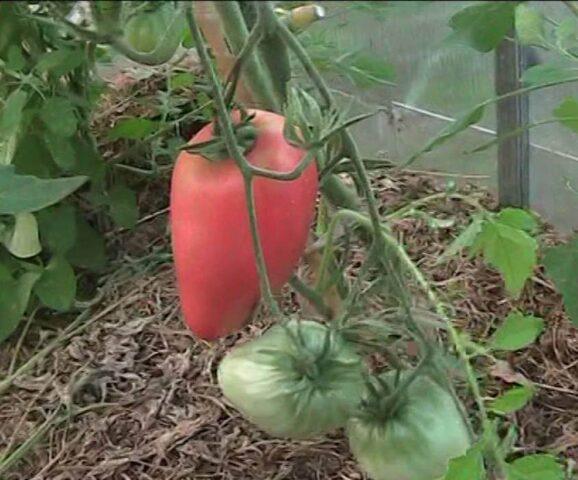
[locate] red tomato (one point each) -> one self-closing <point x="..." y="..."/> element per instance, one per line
<point x="215" y="264"/>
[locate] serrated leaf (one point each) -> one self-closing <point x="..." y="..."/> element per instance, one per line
<point x="535" y="467"/>
<point x="22" y="239"/>
<point x="512" y="400"/>
<point x="88" y="251"/>
<point x="123" y="206"/>
<point x="56" y="288"/>
<point x="61" y="151"/>
<point x="132" y="129"/>
<point x="59" y="116"/>
<point x="566" y="36"/>
<point x="14" y="296"/>
<point x="518" y="218"/>
<point x="58" y="227"/>
<point x="60" y="62"/>
<point x="467" y="467"/>
<point x="518" y="331"/>
<point x="483" y="25"/>
<point x="529" y="25"/>
<point x="464" y="239"/>
<point x="24" y="193"/>
<point x="567" y="110"/>
<point x="561" y="264"/>
<point x="549" y="73"/>
<point x="510" y="250"/>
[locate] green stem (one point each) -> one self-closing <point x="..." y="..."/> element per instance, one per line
<point x="236" y="154"/>
<point x="237" y="34"/>
<point x="311" y="295"/>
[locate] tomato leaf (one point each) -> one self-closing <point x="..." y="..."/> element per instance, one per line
<point x="132" y="129"/>
<point x="464" y="239"/>
<point x="59" y="116"/>
<point x="56" y="288"/>
<point x="123" y="206"/>
<point x="518" y="218"/>
<point x="549" y="73"/>
<point x="512" y="400"/>
<point x="12" y="112"/>
<point x="517" y="331"/>
<point x="182" y="80"/>
<point x="61" y="151"/>
<point x="89" y="250"/>
<point x="566" y="36"/>
<point x="510" y="250"/>
<point x="561" y="264"/>
<point x="483" y="25"/>
<point x="25" y="193"/>
<point x="529" y="25"/>
<point x="58" y="227"/>
<point x="567" y="110"/>
<point x="14" y="296"/>
<point x="467" y="467"/>
<point x="22" y="239"/>
<point x="60" y="62"/>
<point x="535" y="467"/>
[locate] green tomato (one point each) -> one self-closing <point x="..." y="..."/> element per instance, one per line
<point x="416" y="441"/>
<point x="298" y="380"/>
<point x="145" y="31"/>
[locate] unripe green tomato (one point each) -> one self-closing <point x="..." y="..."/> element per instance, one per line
<point x="145" y="31"/>
<point x="416" y="441"/>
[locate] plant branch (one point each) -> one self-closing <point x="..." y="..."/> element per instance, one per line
<point x="311" y="295"/>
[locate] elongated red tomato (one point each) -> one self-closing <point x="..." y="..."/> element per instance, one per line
<point x="215" y="264"/>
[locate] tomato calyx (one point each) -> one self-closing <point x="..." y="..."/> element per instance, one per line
<point x="216" y="149"/>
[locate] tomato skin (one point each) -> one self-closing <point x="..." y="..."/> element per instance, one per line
<point x="417" y="441"/>
<point x="214" y="259"/>
<point x="145" y="30"/>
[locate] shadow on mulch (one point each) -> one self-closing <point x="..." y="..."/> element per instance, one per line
<point x="157" y="412"/>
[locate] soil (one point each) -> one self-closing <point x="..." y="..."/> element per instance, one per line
<point x="132" y="395"/>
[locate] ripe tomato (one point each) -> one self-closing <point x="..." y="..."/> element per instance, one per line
<point x="294" y="390"/>
<point x="417" y="441"/>
<point x="213" y="252"/>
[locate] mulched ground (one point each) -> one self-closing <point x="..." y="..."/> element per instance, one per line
<point x="145" y="392"/>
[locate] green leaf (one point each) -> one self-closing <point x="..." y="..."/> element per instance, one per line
<point x="89" y="162"/>
<point x="561" y="264"/>
<point x="467" y="467"/>
<point x="518" y="218"/>
<point x="58" y="227"/>
<point x="88" y="251"/>
<point x="517" y="331"/>
<point x="535" y="467"/>
<point x="464" y="239"/>
<point x="511" y="251"/>
<point x="16" y="60"/>
<point x="529" y="25"/>
<point x="56" y="288"/>
<point x="14" y="296"/>
<point x="549" y="73"/>
<point x="22" y="240"/>
<point x="132" y="129"/>
<point x="60" y="62"/>
<point x="59" y="116"/>
<point x="123" y="206"/>
<point x="24" y="193"/>
<point x="512" y="400"/>
<point x="61" y="151"/>
<point x="470" y="118"/>
<point x="483" y="25"/>
<point x="367" y="71"/>
<point x="11" y="114"/>
<point x="565" y="111"/>
<point x="566" y="33"/>
<point x="182" y="80"/>
<point x="33" y="158"/>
